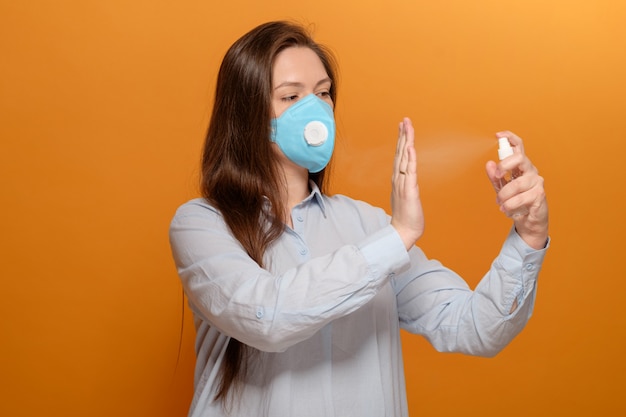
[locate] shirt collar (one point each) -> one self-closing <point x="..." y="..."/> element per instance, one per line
<point x="316" y="195"/>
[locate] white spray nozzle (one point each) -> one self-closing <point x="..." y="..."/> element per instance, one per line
<point x="504" y="148"/>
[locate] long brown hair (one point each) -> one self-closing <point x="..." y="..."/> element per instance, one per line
<point x="240" y="173"/>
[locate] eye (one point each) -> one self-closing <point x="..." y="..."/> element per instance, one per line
<point x="290" y="98"/>
<point x="323" y="94"/>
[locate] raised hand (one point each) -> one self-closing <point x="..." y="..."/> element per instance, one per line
<point x="407" y="216"/>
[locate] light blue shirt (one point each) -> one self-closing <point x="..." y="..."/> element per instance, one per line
<point x="325" y="314"/>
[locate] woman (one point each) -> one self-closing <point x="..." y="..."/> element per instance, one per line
<point x="299" y="297"/>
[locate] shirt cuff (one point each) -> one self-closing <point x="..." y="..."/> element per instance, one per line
<point x="385" y="253"/>
<point x="515" y="249"/>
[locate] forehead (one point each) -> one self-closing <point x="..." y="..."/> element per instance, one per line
<point x="297" y="63"/>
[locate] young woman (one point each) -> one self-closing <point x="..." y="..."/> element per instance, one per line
<point x="298" y="296"/>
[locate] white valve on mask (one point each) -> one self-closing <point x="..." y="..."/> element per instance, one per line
<point x="315" y="133"/>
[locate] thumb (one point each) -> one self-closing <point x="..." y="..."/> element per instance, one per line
<point x="491" y="168"/>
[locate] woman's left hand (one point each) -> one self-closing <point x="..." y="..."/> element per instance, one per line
<point x="407" y="215"/>
<point x="523" y="199"/>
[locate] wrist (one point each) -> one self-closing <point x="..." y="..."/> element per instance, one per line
<point x="536" y="241"/>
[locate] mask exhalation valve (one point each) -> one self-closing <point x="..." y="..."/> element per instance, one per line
<point x="315" y="133"/>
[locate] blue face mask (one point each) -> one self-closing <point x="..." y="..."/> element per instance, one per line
<point x="305" y="133"/>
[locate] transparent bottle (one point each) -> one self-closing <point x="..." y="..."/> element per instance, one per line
<point x="505" y="150"/>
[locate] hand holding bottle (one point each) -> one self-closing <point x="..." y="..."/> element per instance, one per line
<point x="407" y="215"/>
<point x="520" y="192"/>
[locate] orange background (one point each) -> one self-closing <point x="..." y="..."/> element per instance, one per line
<point x="103" y="108"/>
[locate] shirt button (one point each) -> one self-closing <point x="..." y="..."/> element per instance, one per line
<point x="303" y="251"/>
<point x="530" y="267"/>
<point x="300" y="219"/>
<point x="259" y="313"/>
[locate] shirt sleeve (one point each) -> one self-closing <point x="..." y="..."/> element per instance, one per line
<point x="271" y="312"/>
<point x="437" y="303"/>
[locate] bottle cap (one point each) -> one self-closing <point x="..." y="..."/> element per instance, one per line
<point x="504" y="148"/>
<point x="315" y="133"/>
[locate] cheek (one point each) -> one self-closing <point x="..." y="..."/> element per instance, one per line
<point x="279" y="107"/>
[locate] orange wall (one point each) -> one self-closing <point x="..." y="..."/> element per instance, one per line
<point x="103" y="107"/>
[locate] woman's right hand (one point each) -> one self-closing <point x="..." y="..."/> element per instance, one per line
<point x="407" y="216"/>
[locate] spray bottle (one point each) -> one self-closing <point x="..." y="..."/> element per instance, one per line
<point x="505" y="150"/>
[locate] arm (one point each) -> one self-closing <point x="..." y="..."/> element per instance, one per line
<point x="270" y="311"/>
<point x="437" y="303"/>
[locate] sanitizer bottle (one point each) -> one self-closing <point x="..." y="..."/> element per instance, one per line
<point x="505" y="150"/>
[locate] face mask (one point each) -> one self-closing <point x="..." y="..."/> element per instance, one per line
<point x="305" y="132"/>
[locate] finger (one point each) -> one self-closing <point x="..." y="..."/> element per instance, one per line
<point x="404" y="160"/>
<point x="401" y="137"/>
<point x="411" y="155"/>
<point x="519" y="160"/>
<point x="491" y="168"/>
<point x="399" y="149"/>
<point x="515" y="162"/>
<point x="515" y="141"/>
<point x="521" y="194"/>
<point x="522" y="185"/>
<point x="518" y="204"/>
<point x="400" y="161"/>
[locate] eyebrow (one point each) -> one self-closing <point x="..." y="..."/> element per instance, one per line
<point x="299" y="84"/>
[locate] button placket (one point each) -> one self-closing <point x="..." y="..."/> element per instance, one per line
<point x="297" y="217"/>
